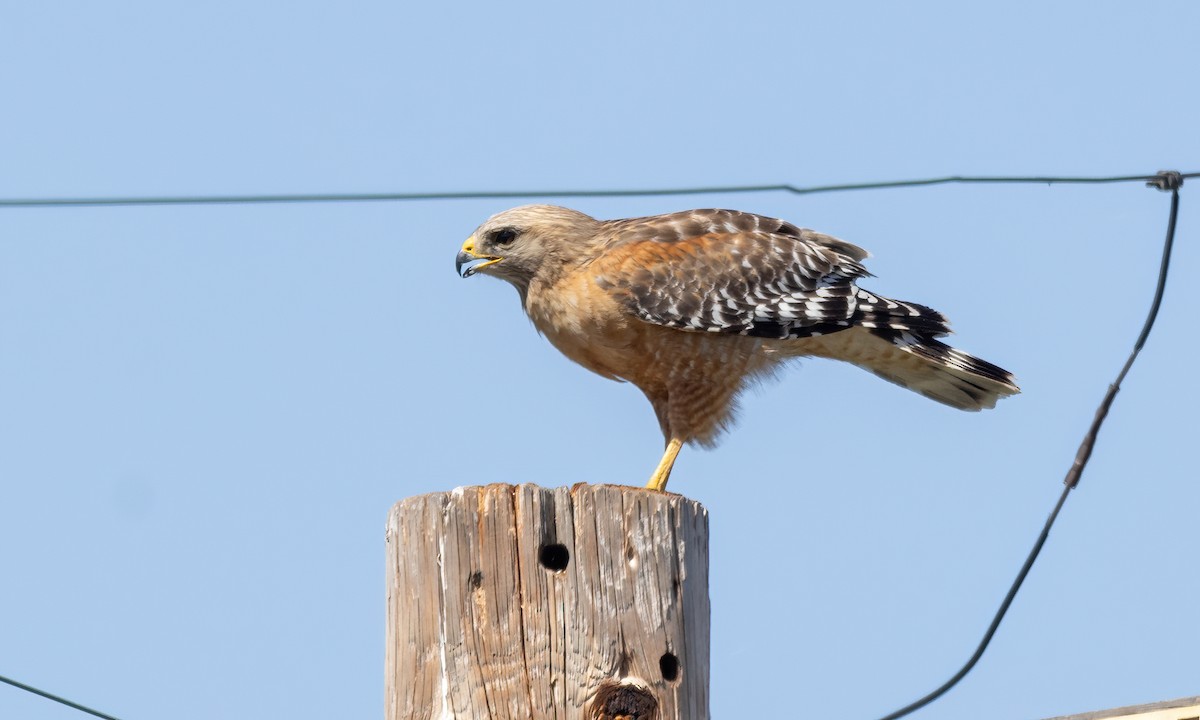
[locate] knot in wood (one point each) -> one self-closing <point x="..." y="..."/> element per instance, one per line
<point x="614" y="701"/>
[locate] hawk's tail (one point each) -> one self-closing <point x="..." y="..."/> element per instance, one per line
<point x="941" y="372"/>
<point x="920" y="362"/>
<point x="898" y="342"/>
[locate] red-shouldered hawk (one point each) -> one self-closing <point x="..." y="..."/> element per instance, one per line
<point x="691" y="306"/>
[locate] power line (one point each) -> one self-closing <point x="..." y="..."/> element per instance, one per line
<point x="515" y="194"/>
<point x="56" y="698"/>
<point x="1169" y="182"/>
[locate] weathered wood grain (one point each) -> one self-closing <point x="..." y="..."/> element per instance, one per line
<point x="520" y="602"/>
<point x="1187" y="708"/>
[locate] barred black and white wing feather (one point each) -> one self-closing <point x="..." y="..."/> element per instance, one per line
<point x="728" y="272"/>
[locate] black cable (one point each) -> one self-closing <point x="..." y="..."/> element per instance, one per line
<point x="57" y="699"/>
<point x="499" y="194"/>
<point x="1166" y="181"/>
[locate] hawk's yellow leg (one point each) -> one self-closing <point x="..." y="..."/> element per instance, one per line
<point x="658" y="481"/>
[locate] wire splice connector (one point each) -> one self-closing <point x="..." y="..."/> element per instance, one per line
<point x="1166" y="180"/>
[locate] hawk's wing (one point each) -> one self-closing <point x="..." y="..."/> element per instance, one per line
<point x="730" y="272"/>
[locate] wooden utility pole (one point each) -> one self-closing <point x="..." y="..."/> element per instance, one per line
<point x="523" y="603"/>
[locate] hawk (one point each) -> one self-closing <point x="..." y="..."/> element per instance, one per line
<point x="692" y="306"/>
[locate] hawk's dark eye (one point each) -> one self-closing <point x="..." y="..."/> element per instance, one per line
<point x="504" y="236"/>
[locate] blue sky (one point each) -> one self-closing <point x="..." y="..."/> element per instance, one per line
<point x="206" y="412"/>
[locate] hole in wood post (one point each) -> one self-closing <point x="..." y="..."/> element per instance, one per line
<point x="475" y="580"/>
<point x="554" y="557"/>
<point x="618" y="700"/>
<point x="669" y="664"/>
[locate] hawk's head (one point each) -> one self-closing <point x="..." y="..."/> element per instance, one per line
<point x="527" y="242"/>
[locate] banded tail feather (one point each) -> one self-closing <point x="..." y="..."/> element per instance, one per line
<point x="897" y="341"/>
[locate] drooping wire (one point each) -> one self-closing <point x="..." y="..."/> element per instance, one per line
<point x="57" y="699"/>
<point x="500" y="194"/>
<point x="1166" y="181"/>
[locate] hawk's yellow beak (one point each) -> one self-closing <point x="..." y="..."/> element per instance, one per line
<point x="467" y="254"/>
